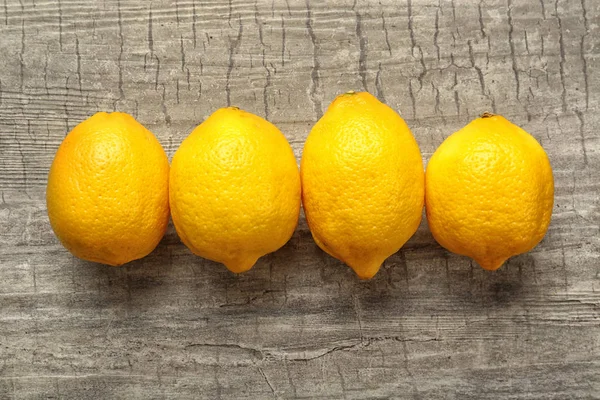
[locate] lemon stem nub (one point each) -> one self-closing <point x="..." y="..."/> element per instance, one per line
<point x="241" y="264"/>
<point x="366" y="269"/>
<point x="491" y="264"/>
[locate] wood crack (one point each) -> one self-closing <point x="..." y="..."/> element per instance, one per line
<point x="22" y="56"/>
<point x="282" y="42"/>
<point x="264" y="62"/>
<point x="378" y="85"/>
<point x="78" y="58"/>
<point x="60" y="25"/>
<point x="562" y="58"/>
<point x="512" y="49"/>
<point x="163" y="106"/>
<point x="385" y="31"/>
<point x="268" y="382"/>
<point x="586" y="27"/>
<point x="152" y="56"/>
<point x="481" y="26"/>
<point x="121" y="44"/>
<point x="314" y="75"/>
<point x="362" y="46"/>
<point x="582" y="136"/>
<point x="233" y="48"/>
<point x="437" y="33"/>
<point x="194" y="21"/>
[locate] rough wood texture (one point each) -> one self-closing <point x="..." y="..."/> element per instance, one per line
<point x="299" y="325"/>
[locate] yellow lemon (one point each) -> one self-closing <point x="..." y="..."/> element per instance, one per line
<point x="362" y="182"/>
<point x="235" y="189"/>
<point x="489" y="191"/>
<point x="107" y="191"/>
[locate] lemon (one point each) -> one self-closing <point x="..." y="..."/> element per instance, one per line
<point x="489" y="191"/>
<point x="107" y="193"/>
<point x="235" y="189"/>
<point x="362" y="182"/>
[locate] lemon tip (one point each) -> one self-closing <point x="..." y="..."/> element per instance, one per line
<point x="365" y="271"/>
<point x="239" y="265"/>
<point x="491" y="264"/>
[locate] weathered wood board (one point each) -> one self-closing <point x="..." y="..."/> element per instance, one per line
<point x="430" y="325"/>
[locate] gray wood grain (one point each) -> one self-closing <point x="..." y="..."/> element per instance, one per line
<point x="430" y="325"/>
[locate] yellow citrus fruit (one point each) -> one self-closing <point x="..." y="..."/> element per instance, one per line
<point x="235" y="189"/>
<point x="107" y="191"/>
<point x="489" y="191"/>
<point x="362" y="182"/>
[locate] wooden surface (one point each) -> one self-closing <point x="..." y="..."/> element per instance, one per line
<point x="430" y="325"/>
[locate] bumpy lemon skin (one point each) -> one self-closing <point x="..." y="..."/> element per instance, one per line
<point x="489" y="191"/>
<point x="235" y="189"/>
<point x="107" y="193"/>
<point x="362" y="182"/>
